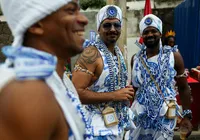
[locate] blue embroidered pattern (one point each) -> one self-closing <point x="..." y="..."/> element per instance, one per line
<point x="164" y="76"/>
<point x="30" y="63"/>
<point x="108" y="82"/>
<point x="80" y="111"/>
<point x="148" y="96"/>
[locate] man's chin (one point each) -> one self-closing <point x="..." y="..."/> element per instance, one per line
<point x="113" y="41"/>
<point x="151" y="45"/>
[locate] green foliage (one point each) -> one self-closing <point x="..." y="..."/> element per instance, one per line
<point x="92" y="4"/>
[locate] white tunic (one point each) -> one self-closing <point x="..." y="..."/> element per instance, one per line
<point x="149" y="106"/>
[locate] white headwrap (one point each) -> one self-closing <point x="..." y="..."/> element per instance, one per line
<point x="108" y="11"/>
<point x="22" y="14"/>
<point x="150" y="20"/>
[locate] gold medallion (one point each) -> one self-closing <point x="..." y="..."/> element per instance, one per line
<point x="171" y="112"/>
<point x="110" y="117"/>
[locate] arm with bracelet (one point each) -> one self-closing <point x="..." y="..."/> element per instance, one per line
<point x="184" y="92"/>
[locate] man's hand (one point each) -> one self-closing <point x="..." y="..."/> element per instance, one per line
<point x="124" y="94"/>
<point x="187" y="124"/>
<point x="198" y="67"/>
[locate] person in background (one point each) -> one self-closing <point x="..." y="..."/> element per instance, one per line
<point x="154" y="69"/>
<point x="36" y="101"/>
<point x="170" y="38"/>
<point x="100" y="77"/>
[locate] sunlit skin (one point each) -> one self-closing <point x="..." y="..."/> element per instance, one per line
<point x="28" y="109"/>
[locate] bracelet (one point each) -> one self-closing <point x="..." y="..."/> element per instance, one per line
<point x="187" y="113"/>
<point x="184" y="74"/>
<point x="79" y="68"/>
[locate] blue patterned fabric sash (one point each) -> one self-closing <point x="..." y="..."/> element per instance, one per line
<point x="30" y="63"/>
<point x="148" y="94"/>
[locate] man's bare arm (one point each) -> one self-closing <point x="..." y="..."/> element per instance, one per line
<point x="91" y="60"/>
<point x="28" y="111"/>
<point x="184" y="91"/>
<point x="182" y="84"/>
<point x="88" y="58"/>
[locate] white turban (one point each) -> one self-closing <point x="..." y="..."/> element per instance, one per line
<point x="150" y="20"/>
<point x="108" y="11"/>
<point x="22" y="14"/>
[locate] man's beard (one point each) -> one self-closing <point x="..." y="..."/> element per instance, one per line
<point x="113" y="40"/>
<point x="152" y="45"/>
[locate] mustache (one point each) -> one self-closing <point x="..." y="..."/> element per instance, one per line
<point x="150" y="37"/>
<point x="112" y="33"/>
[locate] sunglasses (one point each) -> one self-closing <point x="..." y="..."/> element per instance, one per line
<point x="107" y="26"/>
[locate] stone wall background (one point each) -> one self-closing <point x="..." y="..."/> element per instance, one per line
<point x="5" y="38"/>
<point x="166" y="13"/>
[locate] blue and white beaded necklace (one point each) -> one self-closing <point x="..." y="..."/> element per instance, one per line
<point x="119" y="81"/>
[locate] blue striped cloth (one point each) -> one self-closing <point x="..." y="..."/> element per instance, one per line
<point x="29" y="63"/>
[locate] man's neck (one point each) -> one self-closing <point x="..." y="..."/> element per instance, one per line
<point x="60" y="67"/>
<point x="152" y="51"/>
<point x="111" y="48"/>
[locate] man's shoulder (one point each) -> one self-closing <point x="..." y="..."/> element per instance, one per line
<point x="31" y="106"/>
<point x="22" y="97"/>
<point x="177" y="56"/>
<point x="23" y="86"/>
<point x="89" y="56"/>
<point x="91" y="48"/>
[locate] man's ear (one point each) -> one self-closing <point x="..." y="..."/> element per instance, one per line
<point x="160" y="35"/>
<point x="37" y="28"/>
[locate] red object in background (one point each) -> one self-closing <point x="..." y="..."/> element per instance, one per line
<point x="195" y="106"/>
<point x="191" y="80"/>
<point x="147" y="7"/>
<point x="141" y="40"/>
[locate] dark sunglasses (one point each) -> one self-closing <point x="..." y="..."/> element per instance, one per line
<point x="107" y="26"/>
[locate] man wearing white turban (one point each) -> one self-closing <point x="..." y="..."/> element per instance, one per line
<point x="153" y="72"/>
<point x="36" y="101"/>
<point x="100" y="78"/>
